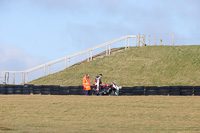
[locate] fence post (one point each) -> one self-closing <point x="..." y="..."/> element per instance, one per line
<point x="136" y="41"/>
<point x="91" y="55"/>
<point x="13" y="78"/>
<point x="149" y="40"/>
<point x="139" y="39"/>
<point x="3" y="76"/>
<point x="144" y="41"/>
<point x="26" y="77"/>
<point x="109" y="49"/>
<point x="155" y="40"/>
<point x="65" y="62"/>
<point x="88" y="56"/>
<point x="128" y="42"/>
<point x="69" y="62"/>
<point x="173" y="38"/>
<point x="49" y="69"/>
<point x="44" y="69"/>
<point x="125" y="43"/>
<point x="23" y="77"/>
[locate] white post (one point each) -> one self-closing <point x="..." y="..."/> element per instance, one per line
<point x="26" y="77"/>
<point x="88" y="56"/>
<point x="149" y="40"/>
<point x="69" y="62"/>
<point x="8" y="77"/>
<point x="173" y="38"/>
<point x="3" y="77"/>
<point x="125" y="43"/>
<point x="49" y="69"/>
<point x="129" y="42"/>
<point x="144" y="42"/>
<point x="91" y="55"/>
<point x="139" y="39"/>
<point x="13" y="78"/>
<point x="109" y="49"/>
<point x="44" y="70"/>
<point x="23" y="77"/>
<point x="136" y="41"/>
<point x="65" y="63"/>
<point x="161" y="42"/>
<point x="155" y="40"/>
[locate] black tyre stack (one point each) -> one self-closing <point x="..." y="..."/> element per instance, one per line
<point x="186" y="90"/>
<point x="197" y="90"/>
<point x="37" y="89"/>
<point x="127" y="91"/>
<point x="76" y="90"/>
<point x="10" y="90"/>
<point x="18" y="89"/>
<point x="151" y="90"/>
<point x="174" y="91"/>
<point x="55" y="90"/>
<point x="138" y="90"/>
<point x="27" y="89"/>
<point x="45" y="90"/>
<point x="2" y="90"/>
<point x="163" y="90"/>
<point x="64" y="90"/>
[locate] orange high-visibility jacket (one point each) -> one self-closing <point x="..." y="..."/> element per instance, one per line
<point x="86" y="83"/>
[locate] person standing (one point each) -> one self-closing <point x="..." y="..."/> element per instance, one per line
<point x="86" y="84"/>
<point x="98" y="82"/>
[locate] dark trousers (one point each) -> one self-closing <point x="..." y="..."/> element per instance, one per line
<point x="87" y="92"/>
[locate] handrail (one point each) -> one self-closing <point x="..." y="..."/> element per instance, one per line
<point x="70" y="56"/>
<point x="79" y="53"/>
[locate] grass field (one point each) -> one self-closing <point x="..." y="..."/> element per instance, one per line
<point x="137" y="66"/>
<point x="65" y="114"/>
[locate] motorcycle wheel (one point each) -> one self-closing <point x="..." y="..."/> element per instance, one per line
<point x="114" y="93"/>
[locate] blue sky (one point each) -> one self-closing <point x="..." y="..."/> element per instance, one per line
<point x="33" y="32"/>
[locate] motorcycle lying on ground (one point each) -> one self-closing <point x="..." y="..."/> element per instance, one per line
<point x="112" y="90"/>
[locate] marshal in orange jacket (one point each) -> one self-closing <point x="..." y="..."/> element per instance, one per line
<point x="86" y="83"/>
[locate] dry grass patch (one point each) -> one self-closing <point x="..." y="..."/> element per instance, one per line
<point x="99" y="114"/>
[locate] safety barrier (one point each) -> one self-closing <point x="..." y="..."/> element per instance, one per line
<point x="28" y="89"/>
<point x="25" y="75"/>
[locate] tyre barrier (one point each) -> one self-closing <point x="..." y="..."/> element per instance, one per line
<point x="64" y="90"/>
<point x="18" y="90"/>
<point x="28" y="89"/>
<point x="45" y="89"/>
<point x="37" y="89"/>
<point x="186" y="90"/>
<point x="163" y="90"/>
<point x="127" y="91"/>
<point x="138" y="90"/>
<point x="197" y="90"/>
<point x="55" y="90"/>
<point x="76" y="90"/>
<point x="174" y="90"/>
<point x="10" y="90"/>
<point x="2" y="90"/>
<point x="151" y="90"/>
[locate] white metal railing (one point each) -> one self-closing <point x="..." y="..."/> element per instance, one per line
<point x="24" y="74"/>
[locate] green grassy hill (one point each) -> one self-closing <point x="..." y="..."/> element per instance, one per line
<point x="155" y="65"/>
